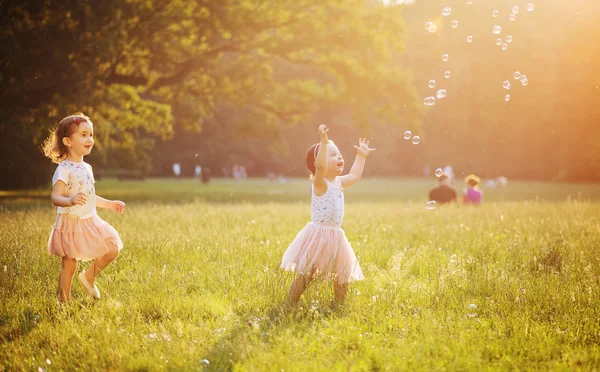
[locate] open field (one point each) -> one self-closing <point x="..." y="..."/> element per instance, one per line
<point x="199" y="279"/>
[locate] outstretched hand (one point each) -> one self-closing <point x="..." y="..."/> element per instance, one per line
<point x="323" y="132"/>
<point x="117" y="206"/>
<point x="363" y="148"/>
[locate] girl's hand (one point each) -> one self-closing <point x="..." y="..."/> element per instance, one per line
<point x="363" y="147"/>
<point x="117" y="206"/>
<point x="323" y="133"/>
<point x="78" y="199"/>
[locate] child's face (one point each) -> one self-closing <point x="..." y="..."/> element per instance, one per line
<point x="81" y="142"/>
<point x="335" y="160"/>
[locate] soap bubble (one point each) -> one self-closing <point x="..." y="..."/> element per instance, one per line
<point x="504" y="46"/>
<point x="447" y="74"/>
<point x="441" y="93"/>
<point x="517" y="75"/>
<point x="204" y="362"/>
<point x="499" y="41"/>
<point x="507" y="97"/>
<point x="454" y="24"/>
<point x="407" y="134"/>
<point x="495" y="13"/>
<point x="497" y="30"/>
<point x="447" y="11"/>
<point x="512" y="17"/>
<point x="416" y="139"/>
<point x="515" y="9"/>
<point x="431" y="83"/>
<point x="444" y="57"/>
<point x="469" y="39"/>
<point x="439" y="172"/>
<point x="472" y="310"/>
<point x="506" y="84"/>
<point x="530" y="7"/>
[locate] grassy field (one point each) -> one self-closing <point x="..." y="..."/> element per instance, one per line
<point x="198" y="280"/>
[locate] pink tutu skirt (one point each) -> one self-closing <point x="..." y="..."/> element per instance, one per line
<point x="322" y="251"/>
<point x="82" y="239"/>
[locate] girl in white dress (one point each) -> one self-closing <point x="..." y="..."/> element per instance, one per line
<point x="321" y="249"/>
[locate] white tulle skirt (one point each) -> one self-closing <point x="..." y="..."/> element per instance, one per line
<point x="322" y="251"/>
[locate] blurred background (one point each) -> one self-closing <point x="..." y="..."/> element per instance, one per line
<point x="218" y="83"/>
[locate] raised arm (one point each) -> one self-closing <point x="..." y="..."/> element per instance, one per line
<point x="362" y="152"/>
<point x="320" y="185"/>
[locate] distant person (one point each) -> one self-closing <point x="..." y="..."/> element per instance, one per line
<point x="235" y="173"/>
<point x="79" y="234"/>
<point x="321" y="248"/>
<point x="197" y="171"/>
<point x="176" y="169"/>
<point x="444" y="193"/>
<point x="471" y="193"/>
<point x="450" y="173"/>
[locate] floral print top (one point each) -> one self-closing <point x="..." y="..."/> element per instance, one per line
<point x="77" y="177"/>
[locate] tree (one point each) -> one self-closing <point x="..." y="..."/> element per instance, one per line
<point x="138" y="66"/>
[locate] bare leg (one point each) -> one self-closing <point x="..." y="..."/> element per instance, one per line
<point x="65" y="278"/>
<point x="340" y="291"/>
<point x="100" y="263"/>
<point x="297" y="288"/>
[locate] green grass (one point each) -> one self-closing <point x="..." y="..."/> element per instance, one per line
<point x="200" y="262"/>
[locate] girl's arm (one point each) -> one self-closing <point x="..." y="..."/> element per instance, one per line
<point x="320" y="185"/>
<point x="58" y="198"/>
<point x="358" y="167"/>
<point x="115" y="205"/>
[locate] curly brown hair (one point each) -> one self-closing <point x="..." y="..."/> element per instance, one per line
<point x="53" y="146"/>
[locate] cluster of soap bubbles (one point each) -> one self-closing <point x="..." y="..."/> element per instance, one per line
<point x="501" y="42"/>
<point x="518" y="76"/>
<point x="430" y="205"/>
<point x="521" y="77"/>
<point x="415" y="140"/>
<point x="431" y="27"/>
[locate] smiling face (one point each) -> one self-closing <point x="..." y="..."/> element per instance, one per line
<point x="335" y="161"/>
<point x="80" y="143"/>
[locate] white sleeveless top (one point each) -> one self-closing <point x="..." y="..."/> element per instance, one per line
<point x="328" y="208"/>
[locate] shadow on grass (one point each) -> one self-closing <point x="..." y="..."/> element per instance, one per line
<point x="254" y="334"/>
<point x="28" y="320"/>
